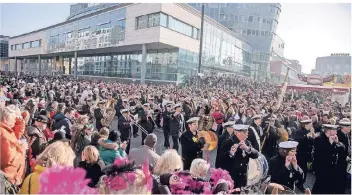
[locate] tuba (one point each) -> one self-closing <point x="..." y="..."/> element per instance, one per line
<point x="109" y="113"/>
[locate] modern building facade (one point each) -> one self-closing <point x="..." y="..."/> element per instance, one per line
<point x="4" y="53"/>
<point x="337" y="63"/>
<point x="256" y="22"/>
<point x="136" y="41"/>
<point x="278" y="70"/>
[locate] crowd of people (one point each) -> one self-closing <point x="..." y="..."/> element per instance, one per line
<point x="57" y="131"/>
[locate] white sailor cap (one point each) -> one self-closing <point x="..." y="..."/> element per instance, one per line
<point x="228" y="124"/>
<point x="345" y="122"/>
<point x="177" y="105"/>
<point x="330" y="126"/>
<point x="146" y="104"/>
<point x="193" y="120"/>
<point x="240" y="127"/>
<point x="125" y="100"/>
<point x="151" y="98"/>
<point x="288" y="144"/>
<point x="306" y="121"/>
<point x="124" y="110"/>
<point x="51" y="91"/>
<point x="258" y="116"/>
<point x="169" y="103"/>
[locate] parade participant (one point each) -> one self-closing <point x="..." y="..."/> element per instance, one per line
<point x="134" y="112"/>
<point x="344" y="136"/>
<point x="192" y="147"/>
<point x="124" y="126"/>
<point x="327" y="149"/>
<point x="269" y="149"/>
<point x="228" y="133"/>
<point x="177" y="126"/>
<point x="167" y="115"/>
<point x="236" y="153"/>
<point x="255" y="132"/>
<point x="13" y="150"/>
<point x="64" y="121"/>
<point x="305" y="137"/>
<point x="145" y="121"/>
<point x="99" y="113"/>
<point x="283" y="168"/>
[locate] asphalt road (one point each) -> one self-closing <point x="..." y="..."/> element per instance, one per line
<point x="136" y="142"/>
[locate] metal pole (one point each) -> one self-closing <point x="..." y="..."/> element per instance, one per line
<point x="201" y="43"/>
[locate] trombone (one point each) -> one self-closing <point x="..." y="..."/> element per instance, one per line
<point x="138" y="125"/>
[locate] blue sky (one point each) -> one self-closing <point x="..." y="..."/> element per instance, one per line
<point x="310" y="30"/>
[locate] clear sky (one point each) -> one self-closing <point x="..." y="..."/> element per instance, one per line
<point x="309" y="30"/>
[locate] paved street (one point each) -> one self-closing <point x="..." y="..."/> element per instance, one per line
<point x="136" y="142"/>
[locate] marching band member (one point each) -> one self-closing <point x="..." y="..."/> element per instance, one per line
<point x="228" y="133"/>
<point x="177" y="126"/>
<point x="145" y="121"/>
<point x="344" y="135"/>
<point x="167" y="114"/>
<point x="327" y="150"/>
<point x="305" y="137"/>
<point x="235" y="154"/>
<point x="124" y="126"/>
<point x="283" y="168"/>
<point x="134" y="112"/>
<point x="99" y="114"/>
<point x="192" y="146"/>
<point x="255" y="132"/>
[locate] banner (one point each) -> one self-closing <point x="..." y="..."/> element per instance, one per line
<point x="180" y="79"/>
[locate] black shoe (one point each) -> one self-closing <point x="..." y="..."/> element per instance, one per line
<point x="135" y="135"/>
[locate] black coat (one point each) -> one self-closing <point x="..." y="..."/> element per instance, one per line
<point x="125" y="128"/>
<point x="145" y="122"/>
<point x="98" y="115"/>
<point x="93" y="171"/>
<point x="237" y="165"/>
<point x="190" y="149"/>
<point x="342" y="163"/>
<point x="270" y="146"/>
<point x="166" y="120"/>
<point x="325" y="165"/>
<point x="304" y="148"/>
<point x="221" y="140"/>
<point x="176" y="125"/>
<point x="252" y="138"/>
<point x="280" y="174"/>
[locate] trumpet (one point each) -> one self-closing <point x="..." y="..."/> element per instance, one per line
<point x="136" y="123"/>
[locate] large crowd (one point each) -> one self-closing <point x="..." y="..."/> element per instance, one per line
<point x="57" y="137"/>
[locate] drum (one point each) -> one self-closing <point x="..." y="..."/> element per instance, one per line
<point x="257" y="170"/>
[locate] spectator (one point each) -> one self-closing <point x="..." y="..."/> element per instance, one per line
<point x="58" y="153"/>
<point x="147" y="150"/>
<point x="64" y="121"/>
<point x="13" y="150"/>
<point x="199" y="168"/>
<point x="92" y="164"/>
<point x="111" y="148"/>
<point x="169" y="162"/>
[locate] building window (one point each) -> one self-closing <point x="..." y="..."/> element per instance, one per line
<point x="253" y="32"/>
<point x="153" y="20"/>
<point x="257" y="33"/>
<point x="37" y="43"/>
<point x="142" y="22"/>
<point x="12" y="47"/>
<point x="249" y="31"/>
<point x="236" y="18"/>
<point x="163" y="20"/>
<point x="26" y="45"/>
<point x="195" y="33"/>
<point x="266" y="33"/>
<point x="262" y="33"/>
<point x="18" y="46"/>
<point x="250" y="19"/>
<point x="264" y="20"/>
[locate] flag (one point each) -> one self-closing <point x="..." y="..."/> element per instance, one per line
<point x="180" y="79"/>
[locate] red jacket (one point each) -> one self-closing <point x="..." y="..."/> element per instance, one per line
<point x="218" y="116"/>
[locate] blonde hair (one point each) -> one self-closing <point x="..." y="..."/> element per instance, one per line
<point x="91" y="154"/>
<point x="104" y="131"/>
<point x="199" y="167"/>
<point x="138" y="187"/>
<point x="168" y="163"/>
<point x="81" y="118"/>
<point x="57" y="153"/>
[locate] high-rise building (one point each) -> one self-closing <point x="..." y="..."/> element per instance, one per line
<point x="4" y="52"/>
<point x="337" y="63"/>
<point x="256" y="22"/>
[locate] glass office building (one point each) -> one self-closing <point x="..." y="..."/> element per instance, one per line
<point x="104" y="47"/>
<point x="256" y="22"/>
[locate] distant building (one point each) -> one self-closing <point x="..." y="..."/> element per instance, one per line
<point x="337" y="63"/>
<point x="278" y="70"/>
<point x="4" y="52"/>
<point x="296" y="66"/>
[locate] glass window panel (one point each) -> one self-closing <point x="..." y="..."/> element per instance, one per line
<point x="142" y="22"/>
<point x="163" y="20"/>
<point x="249" y="31"/>
<point x="18" y="46"/>
<point x="250" y="19"/>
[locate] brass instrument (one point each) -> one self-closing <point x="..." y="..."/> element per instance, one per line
<point x="206" y="122"/>
<point x="109" y="113"/>
<point x="135" y="122"/>
<point x="210" y="138"/>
